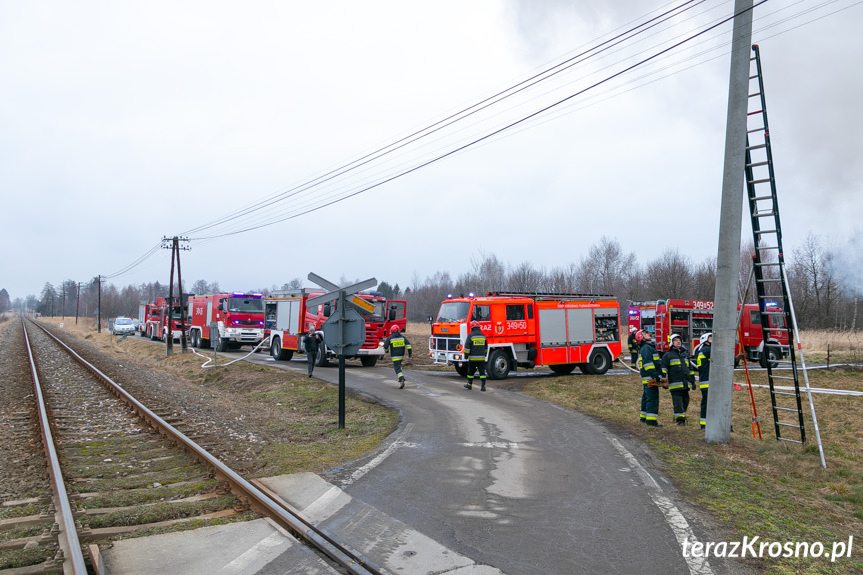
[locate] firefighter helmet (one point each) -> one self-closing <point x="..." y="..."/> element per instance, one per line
<point x="675" y="336"/>
<point x="639" y="335"/>
<point x="474" y="324"/>
<point x="632" y="328"/>
<point x="394" y="329"/>
<point x="705" y="337"/>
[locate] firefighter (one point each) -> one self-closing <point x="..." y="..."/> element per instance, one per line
<point x="702" y="362"/>
<point x="676" y="367"/>
<point x="313" y="345"/>
<point x="651" y="378"/>
<point x="397" y="344"/>
<point x="633" y="346"/>
<point x="475" y="349"/>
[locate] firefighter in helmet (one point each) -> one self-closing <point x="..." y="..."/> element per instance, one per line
<point x="675" y="364"/>
<point x="702" y="362"/>
<point x="397" y="344"/>
<point x="632" y="343"/>
<point x="651" y="378"/>
<point x="475" y="349"/>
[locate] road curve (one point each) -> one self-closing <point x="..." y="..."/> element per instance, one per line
<point x="514" y="482"/>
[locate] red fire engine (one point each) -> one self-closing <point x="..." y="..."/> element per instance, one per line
<point x="157" y="315"/>
<point x="143" y="314"/>
<point x="562" y="331"/>
<point x="693" y="318"/>
<point x="288" y="319"/>
<point x="226" y="320"/>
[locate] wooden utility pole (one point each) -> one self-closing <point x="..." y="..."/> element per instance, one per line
<point x="174" y="244"/>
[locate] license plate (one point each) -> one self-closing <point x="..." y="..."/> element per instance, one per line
<point x="441" y="356"/>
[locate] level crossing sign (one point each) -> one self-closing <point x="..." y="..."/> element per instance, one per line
<point x="345" y="330"/>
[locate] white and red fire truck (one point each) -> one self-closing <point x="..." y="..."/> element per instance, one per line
<point x="562" y="331"/>
<point x="157" y="315"/>
<point x="693" y="318"/>
<point x="288" y="319"/>
<point x="226" y="320"/>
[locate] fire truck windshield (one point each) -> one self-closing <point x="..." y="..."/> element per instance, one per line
<point x="453" y="311"/>
<point x="374" y="316"/>
<point x="245" y="305"/>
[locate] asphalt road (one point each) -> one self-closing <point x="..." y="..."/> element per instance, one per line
<point x="517" y="483"/>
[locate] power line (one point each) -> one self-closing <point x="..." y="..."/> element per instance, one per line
<point x="461" y="115"/>
<point x="495" y="132"/>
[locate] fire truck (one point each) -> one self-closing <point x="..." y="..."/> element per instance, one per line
<point x="562" y="331"/>
<point x="157" y="315"/>
<point x="288" y="319"/>
<point x="143" y="313"/>
<point x="226" y="320"/>
<point x="693" y="318"/>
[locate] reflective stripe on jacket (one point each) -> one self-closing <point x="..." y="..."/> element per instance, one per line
<point x="475" y="347"/>
<point x="703" y="364"/>
<point x="675" y="364"/>
<point x="648" y="362"/>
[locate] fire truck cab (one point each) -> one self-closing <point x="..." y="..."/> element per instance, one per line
<point x="693" y="318"/>
<point x="562" y="331"/>
<point x="288" y="319"/>
<point x="226" y="320"/>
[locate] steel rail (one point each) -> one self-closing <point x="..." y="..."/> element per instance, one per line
<point x="73" y="556"/>
<point x="281" y="512"/>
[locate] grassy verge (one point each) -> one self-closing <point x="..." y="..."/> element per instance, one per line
<point x="775" y="490"/>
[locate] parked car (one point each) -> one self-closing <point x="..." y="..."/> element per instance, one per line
<point x="123" y="326"/>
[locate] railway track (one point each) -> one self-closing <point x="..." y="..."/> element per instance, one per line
<point x="116" y="468"/>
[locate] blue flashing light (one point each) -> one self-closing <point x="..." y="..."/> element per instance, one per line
<point x="449" y="296"/>
<point x="376" y="293"/>
<point x="258" y="295"/>
<point x="470" y="294"/>
<point x="238" y="293"/>
<point x="770" y="304"/>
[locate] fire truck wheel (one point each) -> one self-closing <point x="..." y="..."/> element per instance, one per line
<point x="192" y="342"/>
<point x="770" y="356"/>
<point x="220" y="344"/>
<point x="321" y="359"/>
<point x="582" y="367"/>
<point x="153" y="335"/>
<point x="599" y="362"/>
<point x="368" y="361"/>
<point x="461" y="368"/>
<point x="278" y="353"/>
<point x="563" y="368"/>
<point x="498" y="364"/>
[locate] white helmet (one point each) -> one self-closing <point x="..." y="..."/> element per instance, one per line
<point x="675" y="336"/>
<point x="705" y="337"/>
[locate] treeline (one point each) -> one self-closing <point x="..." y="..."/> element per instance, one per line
<point x="824" y="297"/>
<point x="825" y="283"/>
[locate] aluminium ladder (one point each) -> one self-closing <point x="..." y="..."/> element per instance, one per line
<point x="771" y="279"/>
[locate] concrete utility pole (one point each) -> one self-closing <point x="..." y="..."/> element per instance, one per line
<point x="77" y="300"/>
<point x="718" y="426"/>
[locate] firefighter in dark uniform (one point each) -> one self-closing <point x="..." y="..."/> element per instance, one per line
<point x="633" y="346"/>
<point x="397" y="344"/>
<point x="651" y="379"/>
<point x="675" y="364"/>
<point x="313" y="345"/>
<point x="702" y="362"/>
<point x="475" y="349"/>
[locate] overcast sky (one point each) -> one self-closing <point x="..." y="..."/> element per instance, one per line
<point x="123" y="122"/>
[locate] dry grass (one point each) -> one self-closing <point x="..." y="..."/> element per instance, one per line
<point x="843" y="346"/>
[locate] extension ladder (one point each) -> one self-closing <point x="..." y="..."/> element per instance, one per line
<point x="771" y="279"/>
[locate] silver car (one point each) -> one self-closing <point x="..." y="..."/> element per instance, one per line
<point x="123" y="326"/>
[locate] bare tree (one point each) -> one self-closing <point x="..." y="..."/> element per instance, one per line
<point x="670" y="276"/>
<point x="705" y="280"/>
